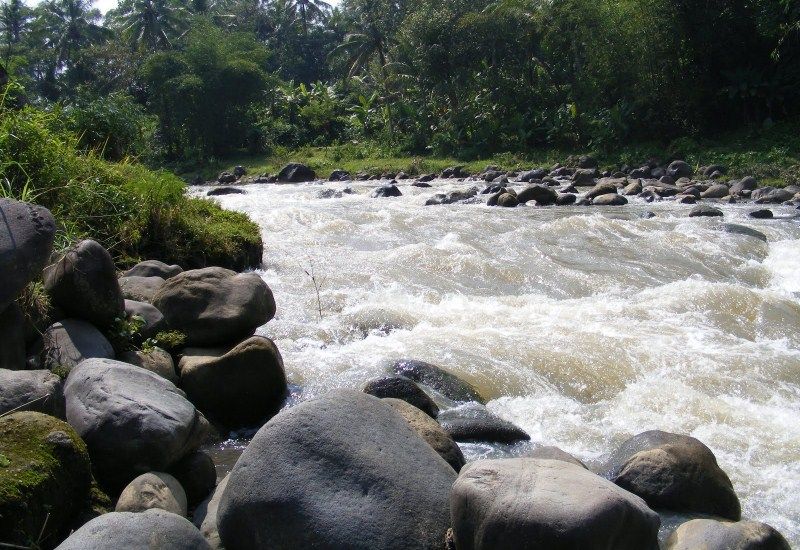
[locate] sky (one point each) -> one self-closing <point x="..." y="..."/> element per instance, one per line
<point x="105" y="5"/>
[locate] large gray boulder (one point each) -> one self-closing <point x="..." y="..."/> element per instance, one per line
<point x="440" y="380"/>
<point x="205" y="515"/>
<point x="771" y="195"/>
<point x="153" y="490"/>
<point x="153" y="319"/>
<point x="399" y="387"/>
<point x="679" y="169"/>
<point x="140" y="289"/>
<point x="341" y="471"/>
<point x="84" y="284"/>
<point x="474" y="422"/>
<point x="236" y="385"/>
<point x="31" y="390"/>
<point x="675" y="472"/>
<point x="153" y="268"/>
<point x="149" y="530"/>
<point x="296" y="173"/>
<point x="710" y="534"/>
<point x="543" y="195"/>
<point x="133" y="421"/>
<point x="524" y="503"/>
<point x="26" y="241"/>
<point x="70" y="341"/>
<point x="197" y="475"/>
<point x="12" y="334"/>
<point x="215" y="306"/>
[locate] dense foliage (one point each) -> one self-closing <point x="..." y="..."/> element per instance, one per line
<point x="193" y="80"/>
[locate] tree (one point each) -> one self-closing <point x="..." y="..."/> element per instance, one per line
<point x="14" y="15"/>
<point x="71" y="25"/>
<point x="151" y="24"/>
<point x="310" y="10"/>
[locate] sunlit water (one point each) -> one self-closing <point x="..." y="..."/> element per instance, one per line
<point x="582" y="325"/>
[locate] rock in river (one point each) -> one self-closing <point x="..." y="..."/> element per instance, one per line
<point x="710" y="534"/>
<point x="296" y="173"/>
<point x="402" y="388"/>
<point x="474" y="422"/>
<point x="437" y="378"/>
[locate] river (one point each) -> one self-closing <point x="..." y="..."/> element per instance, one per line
<point x="583" y="325"/>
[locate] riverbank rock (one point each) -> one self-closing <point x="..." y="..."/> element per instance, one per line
<point x="12" y="332"/>
<point x="341" y="471"/>
<point x="26" y="241"/>
<point x="149" y="530"/>
<point x="155" y="360"/>
<point x="45" y="478"/>
<point x="153" y="490"/>
<point x="609" y="199"/>
<point x="543" y="195"/>
<point x="31" y="390"/>
<point x="340" y="175"/>
<point x="555" y="453"/>
<point x="84" y="284"/>
<point x="153" y="268"/>
<point x="674" y="472"/>
<point x="770" y="195"/>
<point x="703" y="210"/>
<point x="205" y="516"/>
<point x="452" y="196"/>
<point x="679" y="169"/>
<point x="153" y="319"/>
<point x="474" y="422"/>
<point x="296" y="173"/>
<point x="446" y="383"/>
<point x="236" y="385"/>
<point x="197" y="475"/>
<point x="70" y="341"/>
<point x="386" y="191"/>
<point x="507" y="200"/>
<point x="602" y="188"/>
<point x="523" y="503"/>
<point x="430" y="430"/>
<point x="222" y="191"/>
<point x="132" y="420"/>
<point x="215" y="306"/>
<point x="402" y="388"/>
<point x="140" y="289"/>
<point x="710" y="534"/>
<point x="717" y="191"/>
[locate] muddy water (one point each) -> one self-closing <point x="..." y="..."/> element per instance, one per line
<point x="582" y="325"/>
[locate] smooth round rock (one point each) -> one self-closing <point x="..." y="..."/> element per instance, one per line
<point x="474" y="422"/>
<point x="609" y="199"/>
<point x="542" y="194"/>
<point x="703" y="210"/>
<point x="386" y="191"/>
<point x="70" y="341"/>
<point x="341" y="471"/>
<point x="554" y="453"/>
<point x="12" y="332"/>
<point x="296" y="173"/>
<point x="507" y="200"/>
<point x="764" y="214"/>
<point x="153" y="319"/>
<point x="153" y="490"/>
<point x="710" y="534"/>
<point x="197" y="475"/>
<point x="402" y="388"/>
<point x="155" y="360"/>
<point x="140" y="289"/>
<point x="437" y="378"/>
<point x="31" y="390"/>
<point x="153" y="268"/>
<point x="149" y="530"/>
<point x="526" y="503"/>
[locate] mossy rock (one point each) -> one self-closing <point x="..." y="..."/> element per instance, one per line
<point x="45" y="479"/>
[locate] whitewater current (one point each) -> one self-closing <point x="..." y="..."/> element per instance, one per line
<point x="582" y="325"/>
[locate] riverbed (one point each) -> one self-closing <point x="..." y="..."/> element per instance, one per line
<point x="582" y="325"/>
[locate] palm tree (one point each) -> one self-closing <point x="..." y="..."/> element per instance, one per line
<point x="152" y="24"/>
<point x="361" y="48"/>
<point x="71" y="25"/>
<point x="309" y="9"/>
<point x="13" y="17"/>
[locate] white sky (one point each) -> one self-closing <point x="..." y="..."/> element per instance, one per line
<point x="105" y="5"/>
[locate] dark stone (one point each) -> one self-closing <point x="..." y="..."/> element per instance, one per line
<point x="31" y="390"/>
<point x="474" y="422"/>
<point x="140" y="289"/>
<point x="239" y="171"/>
<point x="565" y="199"/>
<point x="84" y="285"/>
<point x="674" y="472"/>
<point x="452" y="196"/>
<point x="603" y="188"/>
<point x="340" y="175"/>
<point x="390" y="190"/>
<point x="743" y="230"/>
<point x="153" y="268"/>
<point x="716" y="192"/>
<point x="543" y="195"/>
<point x="679" y="169"/>
<point x="531" y="175"/>
<point x="341" y="471"/>
<point x="747" y="184"/>
<point x="426" y="178"/>
<point x="153" y="319"/>
<point x="586" y="161"/>
<point x="454" y="172"/>
<point x="633" y="188"/>
<point x="296" y="173"/>
<point x="584" y="177"/>
<point x="226" y="177"/>
<point x="400" y="387"/>
<point x="420" y="184"/>
<point x="710" y="534"/>
<point x="761" y="214"/>
<point x="197" y="475"/>
<point x="609" y="199"/>
<point x="686" y="199"/>
<point x="770" y="195"/>
<point x="70" y="341"/>
<point x="445" y="383"/>
<point x="329" y="194"/>
<point x="12" y="333"/>
<point x="220" y="191"/>
<point x="703" y="210"/>
<point x="507" y="200"/>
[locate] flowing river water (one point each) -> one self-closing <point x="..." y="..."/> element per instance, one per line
<point x="582" y="325"/>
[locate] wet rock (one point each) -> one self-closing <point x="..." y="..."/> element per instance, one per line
<point x="584" y="177"/>
<point x="12" y="332"/>
<point x="426" y="178"/>
<point x="215" y="306"/>
<point x="648" y="215"/>
<point x="402" y="388"/>
<point x="26" y="240"/>
<point x="205" y="516"/>
<point x="149" y="530"/>
<point x="239" y="171"/>
<point x="526" y="503"/>
<point x="454" y="172"/>
<point x="601" y="189"/>
<point x="761" y="214"/>
<point x="643" y="172"/>
<point x="452" y="196"/>
<point x="609" y="199"/>
<point x="442" y="381"/>
<point x="421" y="184"/>
<point x="132" y="420"/>
<point x="153" y="319"/>
<point x="555" y="453"/>
<point x="679" y="169"/>
<point x="710" y="534"/>
<point x="197" y="475"/>
<point x="386" y="191"/>
<point x="45" y="478"/>
<point x="474" y="422"/>
<point x="491" y="175"/>
<point x="235" y="385"/>
<point x="140" y="289"/>
<point x="341" y="471"/>
<point x="221" y="191"/>
<point x="340" y="175"/>
<point x="226" y="177"/>
<point x="31" y="390"/>
<point x="531" y="175"/>
<point x="296" y="173"/>
<point x="329" y="194"/>
<point x="674" y="472"/>
<point x="153" y="268"/>
<point x="746" y="184"/>
<point x="715" y="192"/>
<point x="84" y="285"/>
<point x="770" y="195"/>
<point x="155" y="360"/>
<point x="494" y="188"/>
<point x="543" y="195"/>
<point x="153" y="490"/>
<point x="703" y="210"/>
<point x="70" y="341"/>
<point x="667" y="180"/>
<point x="430" y="430"/>
<point x="565" y="199"/>
<point x="507" y="200"/>
<point x="633" y="188"/>
<point x="743" y="230"/>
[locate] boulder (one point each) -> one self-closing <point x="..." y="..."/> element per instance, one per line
<point x="70" y="341"/>
<point x="149" y="530"/>
<point x="430" y="430"/>
<point x="296" y="173"/>
<point x="674" y="472"/>
<point x="454" y="172"/>
<point x="12" y="329"/>
<point x="770" y="195"/>
<point x="329" y="194"/>
<point x="197" y="475"/>
<point x="226" y="177"/>
<point x="565" y="199"/>
<point x="743" y="230"/>
<point x="609" y="199"/>
<point x="340" y="175"/>
<point x="83" y="283"/>
<point x="153" y="490"/>
<point x="603" y="188"/>
<point x="390" y="190"/>
<point x="153" y="319"/>
<point x="679" y="169"/>
<point x="153" y="268"/>
<point x="215" y="306"/>
<point x="703" y="210"/>
<point x="686" y="199"/>
<point x="474" y="422"/>
<point x="710" y="534"/>
<point x="221" y="191"/>
<point x="155" y="360"/>
<point x="585" y="161"/>
<point x="584" y="177"/>
<point x="452" y="196"/>
<point x="45" y="478"/>
<point x="554" y="453"/>
<point x="525" y="503"/>
<point x="507" y="200"/>
<point x="132" y="420"/>
<point x="440" y="380"/>
<point x="239" y="171"/>
<point x="543" y="195"/>
<point x="402" y="388"/>
<point x="31" y="390"/>
<point x="531" y="175"/>
<point x="764" y="214"/>
<point x="633" y="188"/>
<point x="341" y="471"/>
<point x="26" y="241"/>
<point x="235" y="385"/>
<point x="748" y="184"/>
<point x="205" y="516"/>
<point x="715" y="192"/>
<point x="140" y="289"/>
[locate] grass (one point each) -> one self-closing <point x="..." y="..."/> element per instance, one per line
<point x="770" y="154"/>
